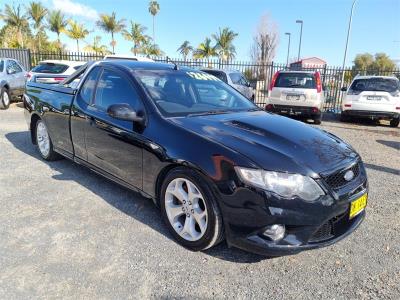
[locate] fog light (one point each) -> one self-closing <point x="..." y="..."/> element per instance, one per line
<point x="275" y="232"/>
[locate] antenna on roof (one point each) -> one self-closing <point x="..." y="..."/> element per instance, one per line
<point x="174" y="63"/>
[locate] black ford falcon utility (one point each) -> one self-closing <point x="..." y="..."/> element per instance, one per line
<point x="216" y="165"/>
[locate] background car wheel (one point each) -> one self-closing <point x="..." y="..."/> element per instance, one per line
<point x="44" y="144"/>
<point x="318" y="120"/>
<point x="190" y="211"/>
<point x="394" y="122"/>
<point x="5" y="98"/>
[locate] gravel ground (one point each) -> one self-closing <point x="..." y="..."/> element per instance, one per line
<point x="66" y="232"/>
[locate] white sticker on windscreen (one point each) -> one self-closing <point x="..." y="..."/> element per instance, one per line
<point x="202" y="76"/>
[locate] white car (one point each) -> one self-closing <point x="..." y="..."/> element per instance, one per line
<point x="129" y="57"/>
<point x="54" y="71"/>
<point x="375" y="97"/>
<point x="296" y="93"/>
<point x="235" y="79"/>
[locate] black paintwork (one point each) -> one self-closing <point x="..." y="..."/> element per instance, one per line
<point x="139" y="155"/>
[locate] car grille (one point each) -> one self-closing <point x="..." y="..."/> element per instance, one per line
<point x="329" y="229"/>
<point x="337" y="180"/>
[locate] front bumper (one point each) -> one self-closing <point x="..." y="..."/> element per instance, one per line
<point x="303" y="111"/>
<point x="248" y="211"/>
<point x="371" y="114"/>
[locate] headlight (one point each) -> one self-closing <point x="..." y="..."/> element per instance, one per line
<point x="283" y="184"/>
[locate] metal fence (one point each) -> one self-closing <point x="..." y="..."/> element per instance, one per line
<point x="259" y="74"/>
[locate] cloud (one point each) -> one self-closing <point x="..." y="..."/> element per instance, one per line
<point x="76" y="9"/>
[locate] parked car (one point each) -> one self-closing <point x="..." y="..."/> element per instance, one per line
<point x="375" y="97"/>
<point x="129" y="57"/>
<point x="235" y="79"/>
<point x="216" y="164"/>
<point x="12" y="81"/>
<point x="296" y="93"/>
<point x="56" y="70"/>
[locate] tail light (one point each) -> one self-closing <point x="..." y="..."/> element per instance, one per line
<point x="28" y="75"/>
<point x="272" y="84"/>
<point x="58" y="78"/>
<point x="314" y="110"/>
<point x="318" y="81"/>
<point x="347" y="105"/>
<point x="269" y="107"/>
<point x="397" y="107"/>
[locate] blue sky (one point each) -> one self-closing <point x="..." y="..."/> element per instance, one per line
<point x="376" y="23"/>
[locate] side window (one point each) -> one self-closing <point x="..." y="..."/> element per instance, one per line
<point x="87" y="90"/>
<point x="17" y="67"/>
<point x="13" y="67"/>
<point x="235" y="77"/>
<point x="113" y="88"/>
<point x="1" y="65"/>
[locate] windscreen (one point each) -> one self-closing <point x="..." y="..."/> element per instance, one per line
<point x="377" y="84"/>
<point x="296" y="80"/>
<point x="181" y="93"/>
<point x="50" y="68"/>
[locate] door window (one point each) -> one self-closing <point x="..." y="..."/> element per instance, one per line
<point x="113" y="88"/>
<point x="87" y="90"/>
<point x="13" y="67"/>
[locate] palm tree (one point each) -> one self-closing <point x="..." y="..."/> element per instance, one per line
<point x="136" y="35"/>
<point x="110" y="24"/>
<point x="224" y="47"/>
<point x="37" y="13"/>
<point x="154" y="8"/>
<point x="76" y="32"/>
<point x="205" y="50"/>
<point x="14" y="17"/>
<point x="185" y="49"/>
<point x="57" y="23"/>
<point x="150" y="49"/>
<point x="97" y="47"/>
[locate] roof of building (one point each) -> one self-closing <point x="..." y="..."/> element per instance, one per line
<point x="308" y="59"/>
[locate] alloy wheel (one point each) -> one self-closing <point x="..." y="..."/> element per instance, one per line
<point x="43" y="139"/>
<point x="186" y="209"/>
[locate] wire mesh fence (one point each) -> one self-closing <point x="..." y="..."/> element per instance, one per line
<point x="258" y="74"/>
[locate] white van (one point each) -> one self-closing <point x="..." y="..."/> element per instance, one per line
<point x="375" y="97"/>
<point x="296" y="93"/>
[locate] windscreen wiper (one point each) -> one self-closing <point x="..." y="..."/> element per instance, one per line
<point x="210" y="112"/>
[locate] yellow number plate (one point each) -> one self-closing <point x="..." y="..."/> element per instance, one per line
<point x="358" y="205"/>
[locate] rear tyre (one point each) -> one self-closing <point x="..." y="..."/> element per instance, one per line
<point x="44" y="144"/>
<point x="318" y="120"/>
<point x="5" y="98"/>
<point x="394" y="122"/>
<point x="190" y="211"/>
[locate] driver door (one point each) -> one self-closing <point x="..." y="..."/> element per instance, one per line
<point x="114" y="146"/>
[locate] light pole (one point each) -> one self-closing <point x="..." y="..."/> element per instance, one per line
<point x="301" y="34"/>
<point x="347" y="42"/>
<point x="288" y="48"/>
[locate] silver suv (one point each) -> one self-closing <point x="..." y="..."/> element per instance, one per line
<point x="234" y="79"/>
<point x="12" y="81"/>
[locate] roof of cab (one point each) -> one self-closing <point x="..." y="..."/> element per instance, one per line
<point x="143" y="65"/>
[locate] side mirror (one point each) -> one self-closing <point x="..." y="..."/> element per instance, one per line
<point x="124" y="112"/>
<point x="344" y="89"/>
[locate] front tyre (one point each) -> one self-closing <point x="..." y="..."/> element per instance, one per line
<point x="43" y="142"/>
<point x="5" y="98"/>
<point x="190" y="211"/>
